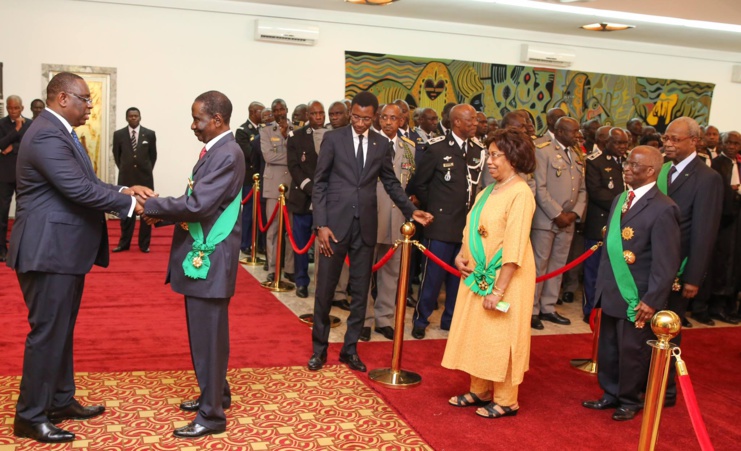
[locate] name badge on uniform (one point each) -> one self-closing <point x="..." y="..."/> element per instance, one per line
<point x="448" y="165"/>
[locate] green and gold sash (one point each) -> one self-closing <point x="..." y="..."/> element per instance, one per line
<point x="662" y="184"/>
<point x="625" y="282"/>
<point x="197" y="263"/>
<point x="481" y="281"/>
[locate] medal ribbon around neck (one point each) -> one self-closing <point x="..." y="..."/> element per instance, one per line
<point x="197" y="263"/>
<point x="483" y="277"/>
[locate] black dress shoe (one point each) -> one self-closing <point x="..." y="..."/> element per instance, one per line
<point x="686" y="323"/>
<point x="74" y="411"/>
<point x="265" y="266"/>
<point x="302" y="292"/>
<point x="600" y="404"/>
<point x="387" y="332"/>
<point x="353" y="362"/>
<point x="270" y="277"/>
<point x="722" y="316"/>
<point x="195" y="430"/>
<point x="120" y="249"/>
<point x="567" y="297"/>
<point x="364" y="334"/>
<point x="536" y="323"/>
<point x="670" y="402"/>
<point x="289" y="276"/>
<point x="624" y="414"/>
<point x="146" y="251"/>
<point x="411" y="302"/>
<point x="342" y="304"/>
<point x="586" y="319"/>
<point x="41" y="432"/>
<point x="703" y="318"/>
<point x="555" y="318"/>
<point x="193" y="405"/>
<point x="418" y="332"/>
<point x="316" y="362"/>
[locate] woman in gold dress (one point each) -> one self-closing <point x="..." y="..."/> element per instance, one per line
<point x="490" y="333"/>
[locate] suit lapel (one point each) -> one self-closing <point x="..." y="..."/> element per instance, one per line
<point x="684" y="175"/>
<point x="640" y="205"/>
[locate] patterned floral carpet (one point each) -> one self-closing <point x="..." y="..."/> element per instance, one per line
<point x="287" y="408"/>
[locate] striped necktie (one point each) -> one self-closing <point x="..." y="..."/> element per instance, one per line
<point x="133" y="140"/>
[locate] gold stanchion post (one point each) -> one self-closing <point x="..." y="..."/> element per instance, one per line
<point x="590" y="365"/>
<point x="253" y="260"/>
<point x="278" y="285"/>
<point x="395" y="377"/>
<point x="666" y="325"/>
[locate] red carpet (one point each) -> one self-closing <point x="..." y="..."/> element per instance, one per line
<point x="130" y="320"/>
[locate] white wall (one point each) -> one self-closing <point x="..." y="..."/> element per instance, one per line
<point x="167" y="56"/>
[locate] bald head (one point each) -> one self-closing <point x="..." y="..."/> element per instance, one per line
<point x="601" y="136"/>
<point x="642" y="166"/>
<point x="552" y="116"/>
<point x="463" y="121"/>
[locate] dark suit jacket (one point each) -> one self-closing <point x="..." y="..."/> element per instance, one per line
<point x="60" y="225"/>
<point x="217" y="180"/>
<point x="655" y="243"/>
<point x="135" y="168"/>
<point x="10" y="136"/>
<point x="600" y="173"/>
<point x="340" y="191"/>
<point x="301" y="164"/>
<point x="731" y="199"/>
<point x="698" y="192"/>
<point x="245" y="135"/>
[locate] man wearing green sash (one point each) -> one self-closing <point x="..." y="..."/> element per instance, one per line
<point x="634" y="281"/>
<point x="205" y="254"/>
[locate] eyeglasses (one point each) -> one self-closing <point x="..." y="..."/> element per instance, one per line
<point x="496" y="155"/>
<point x="675" y="139"/>
<point x="633" y="165"/>
<point x="87" y="100"/>
<point x="355" y="117"/>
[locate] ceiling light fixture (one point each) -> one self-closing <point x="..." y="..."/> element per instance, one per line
<point x="372" y="2"/>
<point x="619" y="15"/>
<point x="604" y="26"/>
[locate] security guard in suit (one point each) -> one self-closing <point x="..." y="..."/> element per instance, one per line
<point x="273" y="145"/>
<point x="604" y="182"/>
<point x="560" y="197"/>
<point x="446" y="182"/>
<point x="244" y="136"/>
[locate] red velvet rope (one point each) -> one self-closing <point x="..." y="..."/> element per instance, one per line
<point x="695" y="416"/>
<point x="290" y="235"/>
<point x="380" y="262"/>
<point x="441" y="263"/>
<point x="248" y="196"/>
<point x="259" y="215"/>
<point x="568" y="266"/>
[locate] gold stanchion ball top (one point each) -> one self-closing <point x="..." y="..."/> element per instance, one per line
<point x="408" y="229"/>
<point x="666" y="323"/>
<point x="282" y="188"/>
<point x="255" y="177"/>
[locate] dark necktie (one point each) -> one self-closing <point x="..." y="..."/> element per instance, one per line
<point x="672" y="171"/>
<point x="359" y="154"/>
<point x="133" y="140"/>
<point x="81" y="150"/>
<point x="463" y="147"/>
<point x="203" y="153"/>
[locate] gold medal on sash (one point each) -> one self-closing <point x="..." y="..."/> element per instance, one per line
<point x="483" y="232"/>
<point x="198" y="261"/>
<point x="676" y="285"/>
<point x="629" y="257"/>
<point x="628" y="233"/>
<point x="184" y="226"/>
<point x="483" y="286"/>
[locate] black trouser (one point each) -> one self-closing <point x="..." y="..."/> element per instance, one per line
<point x="7" y="189"/>
<point x="127" y="232"/>
<point x="208" y="335"/>
<point x="361" y="263"/>
<point x="48" y="382"/>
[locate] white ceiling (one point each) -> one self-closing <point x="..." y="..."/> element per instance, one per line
<point x="490" y="14"/>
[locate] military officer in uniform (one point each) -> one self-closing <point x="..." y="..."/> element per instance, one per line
<point x="551" y="116"/>
<point x="560" y="196"/>
<point x="244" y="136"/>
<point x="604" y="182"/>
<point x="303" y="149"/>
<point x="390" y="220"/>
<point x="273" y="141"/>
<point x="446" y="183"/>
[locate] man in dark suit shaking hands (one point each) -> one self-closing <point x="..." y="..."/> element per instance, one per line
<point x="204" y="258"/>
<point x="351" y="161"/>
<point x="59" y="233"/>
<point x="135" y="152"/>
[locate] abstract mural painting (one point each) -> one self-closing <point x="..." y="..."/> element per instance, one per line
<point x="497" y="89"/>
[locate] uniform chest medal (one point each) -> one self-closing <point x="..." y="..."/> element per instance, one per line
<point x="447" y="176"/>
<point x="303" y="157"/>
<point x="628" y="233"/>
<point x="611" y="185"/>
<point x="558" y="173"/>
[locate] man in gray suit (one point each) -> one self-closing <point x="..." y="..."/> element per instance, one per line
<point x="205" y="255"/>
<point x="274" y="148"/>
<point x="59" y="234"/>
<point x="390" y="220"/>
<point x="560" y="196"/>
